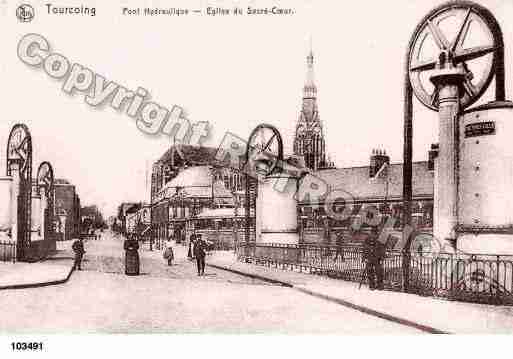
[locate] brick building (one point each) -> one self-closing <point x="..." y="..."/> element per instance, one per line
<point x="66" y="204"/>
<point x="187" y="180"/>
<point x="378" y="185"/>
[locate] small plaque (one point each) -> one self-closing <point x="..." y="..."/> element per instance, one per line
<point x="480" y="129"/>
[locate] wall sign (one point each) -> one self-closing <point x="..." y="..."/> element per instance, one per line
<point x="480" y="129"/>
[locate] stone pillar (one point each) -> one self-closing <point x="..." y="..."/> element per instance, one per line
<point x="43" y="208"/>
<point x="448" y="82"/>
<point x="15" y="192"/>
<point x="35" y="214"/>
<point x="5" y="204"/>
<point x="276" y="209"/>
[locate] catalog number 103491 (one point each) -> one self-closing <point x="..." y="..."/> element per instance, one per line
<point x="27" y="346"/>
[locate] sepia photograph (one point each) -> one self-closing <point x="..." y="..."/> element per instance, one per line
<point x="216" y="174"/>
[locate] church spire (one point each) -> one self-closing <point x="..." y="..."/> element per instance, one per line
<point x="309" y="141"/>
<point x="310" y="90"/>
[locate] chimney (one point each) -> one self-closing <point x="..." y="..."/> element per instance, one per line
<point x="377" y="160"/>
<point x="432" y="154"/>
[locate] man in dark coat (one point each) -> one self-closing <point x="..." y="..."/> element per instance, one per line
<point x="373" y="255"/>
<point x="199" y="253"/>
<point x="78" y="248"/>
<point x="339" y="242"/>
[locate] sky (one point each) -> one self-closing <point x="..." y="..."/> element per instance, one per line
<point x="234" y="72"/>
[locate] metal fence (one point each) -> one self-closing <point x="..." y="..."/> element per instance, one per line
<point x="7" y="251"/>
<point x="88" y="236"/>
<point x="474" y="278"/>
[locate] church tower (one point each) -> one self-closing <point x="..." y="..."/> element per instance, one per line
<point x="309" y="140"/>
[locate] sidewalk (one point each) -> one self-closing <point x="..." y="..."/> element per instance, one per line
<point x="56" y="269"/>
<point x="425" y="313"/>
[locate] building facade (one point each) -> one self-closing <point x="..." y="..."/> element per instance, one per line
<point x="186" y="181"/>
<point x="66" y="204"/>
<point x="374" y="189"/>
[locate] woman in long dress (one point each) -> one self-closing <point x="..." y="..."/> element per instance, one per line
<point x="131" y="247"/>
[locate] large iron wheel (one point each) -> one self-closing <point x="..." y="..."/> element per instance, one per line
<point x="466" y="34"/>
<point x="45" y="177"/>
<point x="19" y="149"/>
<point x="264" y="151"/>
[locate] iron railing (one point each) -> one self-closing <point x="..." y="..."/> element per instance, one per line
<point x="476" y="278"/>
<point x="7" y="251"/>
<point x="88" y="236"/>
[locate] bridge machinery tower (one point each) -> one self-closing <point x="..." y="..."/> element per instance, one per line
<point x="42" y="207"/>
<point x="473" y="193"/>
<point x="277" y="182"/>
<point x="19" y="173"/>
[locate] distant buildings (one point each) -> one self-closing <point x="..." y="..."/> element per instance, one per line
<point x="91" y="218"/>
<point x="187" y="180"/>
<point x="126" y="209"/>
<point x="138" y="220"/>
<point x="191" y="190"/>
<point x="66" y="205"/>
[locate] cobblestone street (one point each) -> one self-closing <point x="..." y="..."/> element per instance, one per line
<point x="100" y="299"/>
<point x="107" y="256"/>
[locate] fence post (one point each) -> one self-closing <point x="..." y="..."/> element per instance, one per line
<point x="406" y="258"/>
<point x="497" y="280"/>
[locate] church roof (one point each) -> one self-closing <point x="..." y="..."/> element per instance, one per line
<point x="192" y="177"/>
<point x="196" y="181"/>
<point x="356" y="181"/>
<point x="194" y="155"/>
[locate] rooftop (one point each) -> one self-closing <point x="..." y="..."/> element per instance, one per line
<point x="196" y="181"/>
<point x="356" y="181"/>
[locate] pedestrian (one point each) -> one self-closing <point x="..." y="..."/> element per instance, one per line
<point x="339" y="243"/>
<point x="373" y="255"/>
<point x="190" y="253"/>
<point x="168" y="252"/>
<point x="132" y="262"/>
<point x="78" y="248"/>
<point x="199" y="253"/>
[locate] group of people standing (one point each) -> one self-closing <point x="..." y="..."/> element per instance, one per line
<point x="373" y="255"/>
<point x="197" y="250"/>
